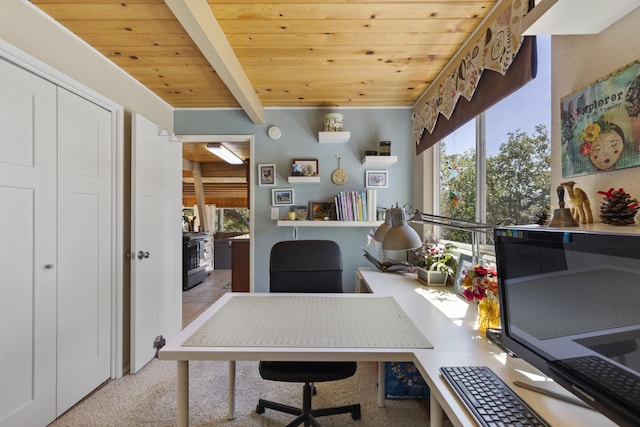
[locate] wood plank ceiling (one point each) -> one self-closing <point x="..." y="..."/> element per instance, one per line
<point x="295" y="53"/>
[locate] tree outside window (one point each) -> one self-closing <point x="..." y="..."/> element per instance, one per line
<point x="516" y="184"/>
<point x="232" y="219"/>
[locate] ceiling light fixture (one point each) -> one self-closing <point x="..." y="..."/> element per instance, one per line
<point x="224" y="153"/>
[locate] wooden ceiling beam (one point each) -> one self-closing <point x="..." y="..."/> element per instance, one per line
<point x="198" y="20"/>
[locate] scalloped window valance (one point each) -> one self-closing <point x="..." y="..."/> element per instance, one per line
<point x="465" y="91"/>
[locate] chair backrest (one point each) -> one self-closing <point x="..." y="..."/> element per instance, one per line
<point x="305" y="266"/>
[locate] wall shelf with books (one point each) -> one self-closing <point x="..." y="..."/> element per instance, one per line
<point x="308" y="224"/>
<point x="289" y="223"/>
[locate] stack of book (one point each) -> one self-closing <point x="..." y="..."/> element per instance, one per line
<point x="356" y="205"/>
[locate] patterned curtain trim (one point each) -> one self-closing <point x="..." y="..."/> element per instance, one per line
<point x="493" y="50"/>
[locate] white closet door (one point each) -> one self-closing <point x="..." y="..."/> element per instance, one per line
<point x="85" y="247"/>
<point x="28" y="262"/>
<point x="156" y="235"/>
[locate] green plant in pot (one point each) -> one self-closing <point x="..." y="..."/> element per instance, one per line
<point x="436" y="265"/>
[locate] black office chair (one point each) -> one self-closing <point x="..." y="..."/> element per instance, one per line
<point x="306" y="266"/>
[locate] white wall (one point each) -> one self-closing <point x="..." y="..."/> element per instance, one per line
<point x="576" y="62"/>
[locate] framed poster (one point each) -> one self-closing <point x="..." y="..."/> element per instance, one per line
<point x="322" y="211"/>
<point x="267" y="175"/>
<point x="304" y="167"/>
<point x="600" y="124"/>
<point x="282" y="197"/>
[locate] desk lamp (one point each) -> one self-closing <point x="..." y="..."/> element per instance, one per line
<point x="399" y="236"/>
<point x="381" y="231"/>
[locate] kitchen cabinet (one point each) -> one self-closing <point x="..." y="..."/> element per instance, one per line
<point x="240" y="268"/>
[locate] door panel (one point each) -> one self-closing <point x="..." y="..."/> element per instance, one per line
<point x="156" y="279"/>
<point x="27" y="244"/>
<point x="85" y="239"/>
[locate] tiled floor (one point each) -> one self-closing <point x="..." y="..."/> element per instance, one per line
<point x="200" y="297"/>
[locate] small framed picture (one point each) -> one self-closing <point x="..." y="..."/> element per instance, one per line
<point x="377" y="179"/>
<point x="267" y="175"/>
<point x="300" y="211"/>
<point x="282" y="197"/>
<point x="304" y="167"/>
<point x="465" y="262"/>
<point x="322" y="211"/>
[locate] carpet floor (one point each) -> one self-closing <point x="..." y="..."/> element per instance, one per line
<point x="148" y="399"/>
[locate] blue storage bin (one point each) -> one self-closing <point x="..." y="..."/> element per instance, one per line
<point x="404" y="381"/>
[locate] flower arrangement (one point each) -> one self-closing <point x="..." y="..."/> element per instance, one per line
<point x="435" y="258"/>
<point x="480" y="282"/>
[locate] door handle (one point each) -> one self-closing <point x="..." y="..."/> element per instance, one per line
<point x="142" y="255"/>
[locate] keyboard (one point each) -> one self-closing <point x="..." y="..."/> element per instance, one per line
<point x="491" y="402"/>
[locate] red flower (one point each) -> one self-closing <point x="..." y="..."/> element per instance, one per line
<point x="479" y="282"/>
<point x="585" y="148"/>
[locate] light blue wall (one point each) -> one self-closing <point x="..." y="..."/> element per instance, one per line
<point x="300" y="140"/>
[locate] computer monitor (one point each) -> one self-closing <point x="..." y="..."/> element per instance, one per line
<point x="570" y="306"/>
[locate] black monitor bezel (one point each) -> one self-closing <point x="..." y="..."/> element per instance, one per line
<point x="589" y="393"/>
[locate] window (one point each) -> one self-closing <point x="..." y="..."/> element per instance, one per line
<point x="496" y="168"/>
<point x="232" y="219"/>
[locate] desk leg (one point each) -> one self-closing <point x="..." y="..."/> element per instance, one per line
<point x="182" y="391"/>
<point x="232" y="390"/>
<point x="435" y="409"/>
<point x="381" y="384"/>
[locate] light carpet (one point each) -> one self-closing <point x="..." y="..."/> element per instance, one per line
<point x="148" y="399"/>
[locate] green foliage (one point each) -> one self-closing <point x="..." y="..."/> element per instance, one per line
<point x="518" y="182"/>
<point x="435" y="258"/>
<point x="520" y="178"/>
<point x="235" y="219"/>
<point x="458" y="180"/>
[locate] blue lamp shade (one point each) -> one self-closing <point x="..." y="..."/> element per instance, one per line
<point x="399" y="236"/>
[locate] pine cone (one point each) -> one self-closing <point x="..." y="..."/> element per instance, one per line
<point x="618" y="208"/>
<point x="541" y="217"/>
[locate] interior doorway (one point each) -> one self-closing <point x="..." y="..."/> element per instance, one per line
<point x="212" y="188"/>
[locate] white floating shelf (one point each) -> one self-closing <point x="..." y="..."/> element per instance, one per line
<point x="334" y="137"/>
<point x="304" y="179"/>
<point x="286" y="223"/>
<point x="379" y="160"/>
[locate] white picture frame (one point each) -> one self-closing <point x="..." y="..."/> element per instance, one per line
<point x="282" y="197"/>
<point x="376" y="179"/>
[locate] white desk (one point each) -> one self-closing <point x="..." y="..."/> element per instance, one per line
<point x="321" y="327"/>
<point x="449" y="323"/>
<point x="444" y="319"/>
